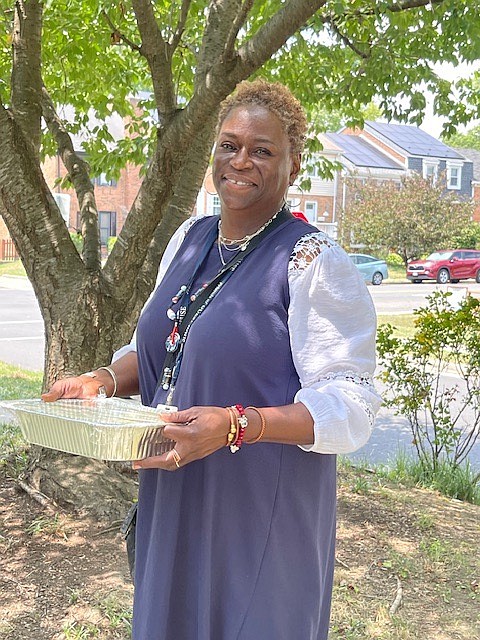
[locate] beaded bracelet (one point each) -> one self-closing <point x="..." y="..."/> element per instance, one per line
<point x="233" y="431"/>
<point x="242" y="422"/>
<point x="263" y="425"/>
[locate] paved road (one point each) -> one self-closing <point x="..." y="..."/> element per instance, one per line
<point x="22" y="344"/>
<point x="405" y="297"/>
<point x="21" y="324"/>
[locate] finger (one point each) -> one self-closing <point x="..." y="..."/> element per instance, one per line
<point x="51" y="396"/>
<point x="184" y="416"/>
<point x="176" y="431"/>
<point x="165" y="461"/>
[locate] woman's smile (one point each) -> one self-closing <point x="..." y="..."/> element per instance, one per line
<point x="239" y="182"/>
<point x="252" y="165"/>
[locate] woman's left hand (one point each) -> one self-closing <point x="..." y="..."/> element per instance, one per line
<point x="197" y="432"/>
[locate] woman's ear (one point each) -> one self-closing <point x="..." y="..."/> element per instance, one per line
<point x="295" y="170"/>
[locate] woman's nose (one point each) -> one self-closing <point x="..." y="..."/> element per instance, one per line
<point x="241" y="160"/>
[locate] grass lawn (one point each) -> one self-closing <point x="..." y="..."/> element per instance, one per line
<point x="396" y="273"/>
<point x="19" y="383"/>
<point x="403" y="324"/>
<point x="12" y="268"/>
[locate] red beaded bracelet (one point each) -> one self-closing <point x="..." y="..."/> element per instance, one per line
<point x="242" y="425"/>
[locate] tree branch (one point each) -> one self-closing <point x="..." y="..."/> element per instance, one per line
<point x="158" y="55"/>
<point x="293" y="15"/>
<point x="237" y="25"/>
<point x="221" y="77"/>
<point x="216" y="34"/>
<point x="29" y="209"/>
<point x="182" y="19"/>
<point x="116" y="34"/>
<point x="411" y="4"/>
<point x="26" y="74"/>
<point x="347" y="42"/>
<point x="78" y="172"/>
<point x="167" y="216"/>
<point x="396" y="7"/>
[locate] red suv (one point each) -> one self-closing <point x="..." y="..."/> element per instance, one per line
<point x="446" y="266"/>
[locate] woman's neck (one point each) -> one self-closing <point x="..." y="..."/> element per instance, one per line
<point x="238" y="224"/>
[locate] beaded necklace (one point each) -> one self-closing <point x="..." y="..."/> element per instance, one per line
<point x="191" y="305"/>
<point x="242" y="243"/>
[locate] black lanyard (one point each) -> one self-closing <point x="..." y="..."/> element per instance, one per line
<point x="194" y="307"/>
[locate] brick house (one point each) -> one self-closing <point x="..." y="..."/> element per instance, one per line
<point x="379" y="151"/>
<point x="113" y="198"/>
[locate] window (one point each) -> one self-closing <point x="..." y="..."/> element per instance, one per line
<point x="430" y="171"/>
<point x="101" y="181"/>
<point x="311" y="210"/>
<point x="454" y="176"/>
<point x="107" y="221"/>
<point x="213" y="205"/>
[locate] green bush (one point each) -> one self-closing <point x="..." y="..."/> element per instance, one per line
<point x="468" y="238"/>
<point x="394" y="259"/>
<point x="446" y="337"/>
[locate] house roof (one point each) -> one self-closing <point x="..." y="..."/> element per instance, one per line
<point x="412" y="140"/>
<point x="474" y="156"/>
<point x="362" y="154"/>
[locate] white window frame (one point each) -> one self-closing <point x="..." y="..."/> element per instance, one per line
<point x="458" y="167"/>
<point x="213" y="205"/>
<point x="430" y="165"/>
<point x="314" y="207"/>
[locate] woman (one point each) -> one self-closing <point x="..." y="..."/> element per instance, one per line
<point x="242" y="546"/>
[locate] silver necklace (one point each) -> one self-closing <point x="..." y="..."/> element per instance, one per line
<point x="242" y="243"/>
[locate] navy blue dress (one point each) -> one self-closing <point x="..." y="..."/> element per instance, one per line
<point x="233" y="546"/>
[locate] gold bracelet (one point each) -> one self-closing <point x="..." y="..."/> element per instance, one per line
<point x="233" y="431"/>
<point x="263" y="427"/>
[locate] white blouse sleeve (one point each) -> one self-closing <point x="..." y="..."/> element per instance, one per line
<point x="332" y="325"/>
<point x="168" y="255"/>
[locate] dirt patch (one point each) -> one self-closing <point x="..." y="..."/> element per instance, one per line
<point x="65" y="576"/>
<point x="411" y="547"/>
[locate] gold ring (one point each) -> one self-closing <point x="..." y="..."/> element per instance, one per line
<point x="176" y="458"/>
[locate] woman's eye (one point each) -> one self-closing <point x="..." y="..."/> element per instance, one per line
<point x="228" y="146"/>
<point x="263" y="151"/>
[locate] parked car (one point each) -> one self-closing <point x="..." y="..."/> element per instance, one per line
<point x="372" y="269"/>
<point x="445" y="266"/>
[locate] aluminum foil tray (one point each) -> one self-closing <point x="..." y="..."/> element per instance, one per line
<point x="101" y="428"/>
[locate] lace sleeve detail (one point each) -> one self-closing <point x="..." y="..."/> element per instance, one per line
<point x="307" y="249"/>
<point x="364" y="379"/>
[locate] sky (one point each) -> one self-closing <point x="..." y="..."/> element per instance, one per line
<point x="432" y="124"/>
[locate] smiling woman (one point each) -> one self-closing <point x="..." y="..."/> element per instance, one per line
<point x="262" y="333"/>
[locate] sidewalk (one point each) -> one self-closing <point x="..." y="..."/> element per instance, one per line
<point x="20" y="283"/>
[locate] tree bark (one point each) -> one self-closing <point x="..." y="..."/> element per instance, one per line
<point x="26" y="76"/>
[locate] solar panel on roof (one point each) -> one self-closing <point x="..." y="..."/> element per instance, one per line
<point x="362" y="154"/>
<point x="413" y="140"/>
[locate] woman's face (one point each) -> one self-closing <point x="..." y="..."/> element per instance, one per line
<point x="252" y="164"/>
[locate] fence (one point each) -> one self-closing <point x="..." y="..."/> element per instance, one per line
<point x="8" y="251"/>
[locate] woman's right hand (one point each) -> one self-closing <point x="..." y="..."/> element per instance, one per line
<point x="82" y="387"/>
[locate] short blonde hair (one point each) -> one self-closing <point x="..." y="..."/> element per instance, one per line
<point x="275" y="97"/>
